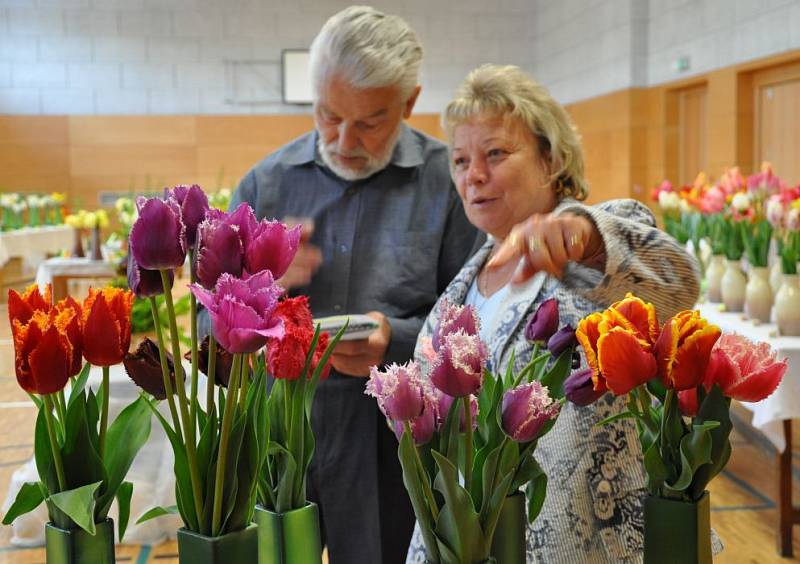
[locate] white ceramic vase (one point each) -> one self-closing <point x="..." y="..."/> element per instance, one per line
<point x="787" y="305"/>
<point x="714" y="278"/>
<point x="734" y="283"/>
<point x="758" y="295"/>
<point x="776" y="277"/>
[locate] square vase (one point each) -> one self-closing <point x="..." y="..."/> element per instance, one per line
<point x="677" y="531"/>
<point x="289" y="538"/>
<point x="240" y="546"/>
<point x="508" y="543"/>
<point x="76" y="546"/>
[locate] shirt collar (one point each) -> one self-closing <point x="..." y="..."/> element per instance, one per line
<point x="407" y="153"/>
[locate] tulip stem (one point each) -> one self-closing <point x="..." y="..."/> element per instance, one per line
<point x="104" y="413"/>
<point x="180" y="384"/>
<point x="531" y="365"/>
<point x="225" y="433"/>
<point x="54" y="446"/>
<point x="211" y="373"/>
<point x="193" y="321"/>
<point x="61" y="408"/>
<point x="244" y="383"/>
<point x="423" y="475"/>
<point x="468" y="444"/>
<point x="644" y="401"/>
<point x="162" y="355"/>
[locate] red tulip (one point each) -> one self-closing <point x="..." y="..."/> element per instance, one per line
<point x="106" y="325"/>
<point x="42" y="353"/>
<point x="68" y="313"/>
<point x="22" y="307"/>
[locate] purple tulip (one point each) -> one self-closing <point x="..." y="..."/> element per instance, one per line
<point x="219" y="249"/>
<point x="526" y="410"/>
<point x="579" y="388"/>
<point x="271" y="246"/>
<point x="241" y="311"/>
<point x="544" y="322"/>
<point x="194" y="205"/>
<point x="158" y="238"/>
<point x="398" y="389"/>
<point x="145" y="283"/>
<point x="452" y="318"/>
<point x="144" y="368"/>
<point x="222" y="368"/>
<point x="445" y="402"/>
<point x="458" y="367"/>
<point x="562" y="340"/>
<point x="424" y="425"/>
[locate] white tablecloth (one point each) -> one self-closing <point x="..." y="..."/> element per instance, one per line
<point x="67" y="266"/>
<point x="784" y="403"/>
<point x="34" y="243"/>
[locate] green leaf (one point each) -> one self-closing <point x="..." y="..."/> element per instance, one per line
<point x="82" y="462"/>
<point x="157" y="511"/>
<point x="29" y="497"/>
<point x="79" y="384"/>
<point x="695" y="451"/>
<point x="554" y="378"/>
<point x="657" y="472"/>
<point x="124" y="494"/>
<point x="78" y="504"/>
<point x="714" y="407"/>
<point x="612" y="418"/>
<point x="536" y="492"/>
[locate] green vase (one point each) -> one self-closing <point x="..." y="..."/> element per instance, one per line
<point x="239" y="546"/>
<point x="508" y="544"/>
<point x="677" y="531"/>
<point x="76" y="546"/>
<point x="289" y="538"/>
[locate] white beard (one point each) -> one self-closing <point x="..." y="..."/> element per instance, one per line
<point x="373" y="164"/>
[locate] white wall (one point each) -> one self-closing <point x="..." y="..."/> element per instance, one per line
<point x="169" y="56"/>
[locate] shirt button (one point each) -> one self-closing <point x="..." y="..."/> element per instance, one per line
<point x="343" y="248"/>
<point x="337" y="307"/>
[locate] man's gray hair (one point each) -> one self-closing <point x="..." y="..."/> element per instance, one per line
<point x="368" y="48"/>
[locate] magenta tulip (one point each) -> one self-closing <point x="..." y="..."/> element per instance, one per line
<point x="241" y="311"/>
<point x="219" y="249"/>
<point x="194" y="205"/>
<point x="561" y="340"/>
<point x="445" y="402"/>
<point x="526" y="410"/>
<point x="544" y="322"/>
<point x="271" y="246"/>
<point x="143" y="282"/>
<point x="458" y="367"/>
<point x="398" y="389"/>
<point x="422" y="426"/>
<point x="451" y="319"/>
<point x="158" y="238"/>
<point x="579" y="388"/>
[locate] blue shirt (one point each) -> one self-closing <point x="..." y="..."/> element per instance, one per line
<point x="390" y="243"/>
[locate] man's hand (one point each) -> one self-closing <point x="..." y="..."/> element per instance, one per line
<point x="548" y="242"/>
<point x="306" y="261"/>
<point x="354" y="358"/>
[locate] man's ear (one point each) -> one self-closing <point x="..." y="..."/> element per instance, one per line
<point x="409" y="105"/>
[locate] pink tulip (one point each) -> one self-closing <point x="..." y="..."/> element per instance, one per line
<point x="424" y="425"/>
<point x="444" y="404"/>
<point x="271" y="245"/>
<point x="745" y="371"/>
<point x="398" y="389"/>
<point x="451" y="319"/>
<point x="713" y="200"/>
<point x="458" y="367"/>
<point x="241" y="311"/>
<point x="526" y="410"/>
<point x="158" y="238"/>
<point x="219" y="249"/>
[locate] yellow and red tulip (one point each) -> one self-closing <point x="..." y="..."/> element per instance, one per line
<point x="683" y="350"/>
<point x="106" y="325"/>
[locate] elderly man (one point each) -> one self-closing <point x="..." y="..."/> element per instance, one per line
<point x="385" y="234"/>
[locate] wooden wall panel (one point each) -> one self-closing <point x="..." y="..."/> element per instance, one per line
<point x="132" y="130"/>
<point x="776" y="124"/>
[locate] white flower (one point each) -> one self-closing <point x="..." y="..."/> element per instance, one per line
<point x="793" y="219"/>
<point x="775" y="213"/>
<point x="669" y="201"/>
<point x="741" y="202"/>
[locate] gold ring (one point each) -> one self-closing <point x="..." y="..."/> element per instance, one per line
<point x="513" y="239"/>
<point x="573" y="240"/>
<point x="534" y="243"/>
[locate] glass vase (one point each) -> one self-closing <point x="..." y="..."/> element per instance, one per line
<point x="238" y="546"/>
<point x="508" y="543"/>
<point x="76" y="546"/>
<point x="677" y="531"/>
<point x="289" y="538"/>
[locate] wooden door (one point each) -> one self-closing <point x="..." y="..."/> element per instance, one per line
<point x="777" y="121"/>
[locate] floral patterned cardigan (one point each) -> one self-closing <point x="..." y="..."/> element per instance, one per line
<point x="593" y="511"/>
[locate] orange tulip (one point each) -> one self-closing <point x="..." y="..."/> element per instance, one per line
<point x="69" y="313"/>
<point x="42" y="352"/>
<point x="684" y="349"/>
<point x="618" y="345"/>
<point x="106" y="325"/>
<point x="22" y="307"/>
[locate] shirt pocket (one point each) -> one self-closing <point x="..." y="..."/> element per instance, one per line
<point x="411" y="265"/>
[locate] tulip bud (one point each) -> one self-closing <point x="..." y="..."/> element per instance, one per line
<point x="144" y="368"/>
<point x="194" y="205"/>
<point x="458" y="367"/>
<point x="143" y="282"/>
<point x="222" y="367"/>
<point x="219" y="250"/>
<point x="562" y="340"/>
<point x="544" y="322"/>
<point x="445" y="402"/>
<point x="398" y="389"/>
<point x="451" y="319"/>
<point x="579" y="388"/>
<point x="526" y="410"/>
<point x="422" y="427"/>
<point x="158" y="238"/>
<point x="271" y="246"/>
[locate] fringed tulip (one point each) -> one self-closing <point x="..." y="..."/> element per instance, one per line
<point x="451" y="319"/>
<point x="445" y="402"/>
<point x="683" y="350"/>
<point x="222" y="366"/>
<point x="106" y="325"/>
<point x="68" y="312"/>
<point x="271" y="246"/>
<point x="22" y="307"/>
<point x="745" y="371"/>
<point x="241" y="311"/>
<point x="635" y="316"/>
<point x="398" y="389"/>
<point x="219" y="250"/>
<point x="158" y="237"/>
<point x="579" y="388"/>
<point x="458" y="367"/>
<point x="193" y="203"/>
<point x="145" y="283"/>
<point x="42" y="353"/>
<point x="526" y="410"/>
<point x="144" y="368"/>
<point x="423" y="426"/>
<point x="544" y="322"/>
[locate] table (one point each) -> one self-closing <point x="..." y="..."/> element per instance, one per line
<point x="34" y="243"/>
<point x="772" y="416"/>
<point x="58" y="271"/>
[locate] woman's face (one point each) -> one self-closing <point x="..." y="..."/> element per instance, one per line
<point x="499" y="173"/>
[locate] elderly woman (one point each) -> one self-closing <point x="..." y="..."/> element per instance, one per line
<point x="518" y="168"/>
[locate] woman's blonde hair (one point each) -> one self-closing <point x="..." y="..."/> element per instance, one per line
<point x="506" y="91"/>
